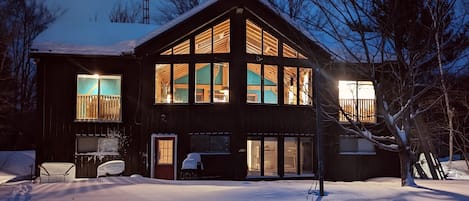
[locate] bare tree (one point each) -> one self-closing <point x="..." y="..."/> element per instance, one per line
<point x="173" y="8"/>
<point x="391" y="43"/>
<point x="126" y="12"/>
<point x="21" y="22"/>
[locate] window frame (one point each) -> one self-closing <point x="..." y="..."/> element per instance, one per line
<point x="208" y="150"/>
<point x="98" y="148"/>
<point x="262" y="86"/>
<point x="298" y="92"/>
<point x="356" y="117"/>
<point x="171" y="84"/>
<point x="359" y="144"/>
<point x="99" y="77"/>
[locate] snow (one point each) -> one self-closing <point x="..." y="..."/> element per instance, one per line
<point x="15" y="165"/>
<point x="457" y="170"/>
<point x="91" y="38"/>
<point x="143" y="189"/>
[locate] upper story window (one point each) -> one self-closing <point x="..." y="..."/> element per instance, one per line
<point x="171" y="83"/>
<point x="262" y="85"/>
<point x="214" y="40"/>
<point x="181" y="48"/>
<point x="98" y="97"/>
<point x="298" y="87"/>
<point x="212" y="80"/>
<point x="291" y="52"/>
<point x="259" y="41"/>
<point x="357" y="99"/>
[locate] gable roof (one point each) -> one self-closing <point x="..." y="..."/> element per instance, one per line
<point x="114" y="39"/>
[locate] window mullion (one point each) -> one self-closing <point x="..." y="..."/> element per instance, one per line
<point x="171" y="82"/>
<point x="356" y="101"/>
<point x="99" y="99"/>
<point x="211" y="81"/>
<point x="262" y="83"/>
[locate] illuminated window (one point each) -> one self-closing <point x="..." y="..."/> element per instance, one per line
<point x="291" y="52"/>
<point x="212" y="80"/>
<point x="98" y="97"/>
<point x="357" y="99"/>
<point x="165" y="152"/>
<point x="294" y="162"/>
<point x="181" y="48"/>
<point x="259" y="41"/>
<point x="254" y="157"/>
<point x="262" y="84"/>
<point x="298" y="81"/>
<point x="270" y="156"/>
<point x="221" y="37"/>
<point x="176" y="75"/>
<point x="216" y="38"/>
<point x="306" y="87"/>
<point x="290" y="156"/>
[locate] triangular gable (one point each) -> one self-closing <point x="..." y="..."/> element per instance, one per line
<point x="181" y="28"/>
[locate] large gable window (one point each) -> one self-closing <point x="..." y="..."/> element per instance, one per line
<point x="262" y="85"/>
<point x="171" y="83"/>
<point x="298" y="88"/>
<point x="357" y="99"/>
<point x="259" y="41"/>
<point x="98" y="97"/>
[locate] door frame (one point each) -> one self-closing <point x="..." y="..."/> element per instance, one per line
<point x="154" y="136"/>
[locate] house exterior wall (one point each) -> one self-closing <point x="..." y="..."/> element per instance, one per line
<point x="142" y="118"/>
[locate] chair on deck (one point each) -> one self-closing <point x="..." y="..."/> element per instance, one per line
<point x="110" y="168"/>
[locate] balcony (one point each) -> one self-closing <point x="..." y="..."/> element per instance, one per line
<point x="364" y="109"/>
<point x="98" y="108"/>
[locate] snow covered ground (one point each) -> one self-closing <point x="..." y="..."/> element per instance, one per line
<point x="143" y="189"/>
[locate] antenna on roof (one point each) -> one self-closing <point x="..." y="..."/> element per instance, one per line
<point x="146" y="11"/>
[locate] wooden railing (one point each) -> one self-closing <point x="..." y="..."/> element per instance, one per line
<point x="366" y="110"/>
<point x="105" y="108"/>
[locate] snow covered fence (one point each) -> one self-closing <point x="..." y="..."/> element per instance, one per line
<point x="17" y="165"/>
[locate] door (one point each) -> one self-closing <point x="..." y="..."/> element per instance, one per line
<point x="164" y="158"/>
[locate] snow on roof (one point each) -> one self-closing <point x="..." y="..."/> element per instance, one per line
<point x="90" y="38"/>
<point x="120" y="38"/>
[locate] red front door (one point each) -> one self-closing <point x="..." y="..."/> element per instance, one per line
<point x="164" y="161"/>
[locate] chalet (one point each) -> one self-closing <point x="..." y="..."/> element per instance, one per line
<point x="231" y="80"/>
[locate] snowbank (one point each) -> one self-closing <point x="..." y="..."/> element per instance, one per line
<point x="16" y="165"/>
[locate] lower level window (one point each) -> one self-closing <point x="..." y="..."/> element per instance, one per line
<point x="266" y="148"/>
<point x="210" y="143"/>
<point x="351" y="145"/>
<point x="91" y="145"/>
<point x="294" y="162"/>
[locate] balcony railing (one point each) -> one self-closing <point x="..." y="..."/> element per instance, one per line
<point x="365" y="111"/>
<point x="104" y="108"/>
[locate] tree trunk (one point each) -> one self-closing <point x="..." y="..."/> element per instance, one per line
<point x="406" y="175"/>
